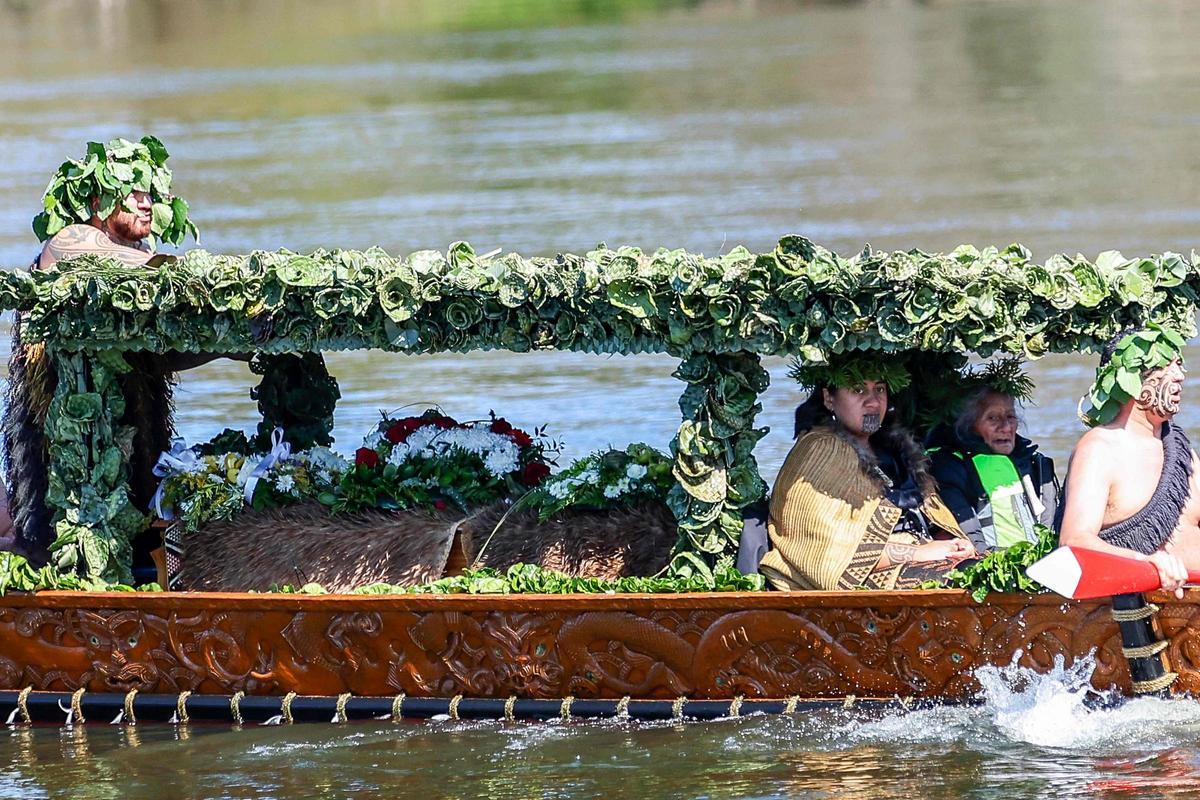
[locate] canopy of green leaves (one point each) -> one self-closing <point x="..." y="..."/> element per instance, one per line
<point x="719" y="315"/>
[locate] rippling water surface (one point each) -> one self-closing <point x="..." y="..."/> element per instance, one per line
<point x="550" y="125"/>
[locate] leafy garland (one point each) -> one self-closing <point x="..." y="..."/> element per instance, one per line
<point x="719" y="315"/>
<point x="107" y="174"/>
<point x="852" y="371"/>
<point x="532" y="579"/>
<point x="1004" y="570"/>
<point x="1120" y="379"/>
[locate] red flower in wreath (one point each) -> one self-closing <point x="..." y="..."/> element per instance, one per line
<point x="366" y="457"/>
<point x="534" y="473"/>
<point x="397" y="432"/>
<point x="521" y="438"/>
<point x="502" y="426"/>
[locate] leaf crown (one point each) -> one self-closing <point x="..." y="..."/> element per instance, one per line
<point x="1119" y="377"/>
<point x="107" y="174"/>
<point x="1004" y="376"/>
<point x="852" y="371"/>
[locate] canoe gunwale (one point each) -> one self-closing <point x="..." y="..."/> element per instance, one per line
<point x="916" y="598"/>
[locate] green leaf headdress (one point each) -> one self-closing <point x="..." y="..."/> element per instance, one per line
<point x="1004" y="376"/>
<point x="1119" y="376"/>
<point x="108" y="173"/>
<point x="852" y="370"/>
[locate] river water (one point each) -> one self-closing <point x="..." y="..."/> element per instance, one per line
<point x="550" y="125"/>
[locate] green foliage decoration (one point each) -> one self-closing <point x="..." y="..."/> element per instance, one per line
<point x="532" y="579"/>
<point x="1119" y="380"/>
<point x="1004" y="570"/>
<point x="852" y="371"/>
<point x="94" y="518"/>
<point x="718" y="315"/>
<point x="107" y="174"/>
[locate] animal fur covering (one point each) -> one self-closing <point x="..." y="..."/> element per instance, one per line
<point x="596" y="544"/>
<point x="304" y="543"/>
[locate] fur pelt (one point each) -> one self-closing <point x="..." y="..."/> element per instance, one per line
<point x="598" y="544"/>
<point x="304" y="543"/>
<point x="902" y="444"/>
<point x="31" y="384"/>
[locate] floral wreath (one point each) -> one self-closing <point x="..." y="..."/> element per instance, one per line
<point x="851" y="371"/>
<point x="108" y="174"/>
<point x="1119" y="379"/>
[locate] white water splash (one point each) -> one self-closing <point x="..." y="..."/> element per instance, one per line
<point x="1056" y="709"/>
<point x="1053" y="709"/>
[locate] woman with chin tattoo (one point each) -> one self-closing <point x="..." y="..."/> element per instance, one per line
<point x="854" y="505"/>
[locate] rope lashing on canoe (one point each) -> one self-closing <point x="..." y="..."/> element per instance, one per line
<point x="22" y="708"/>
<point x="677" y="707"/>
<point x="454" y="701"/>
<point x="1141" y="644"/>
<point x="130" y="718"/>
<point x="1146" y="650"/>
<point x="285" y="708"/>
<point x="849" y="701"/>
<point x="251" y="709"/>
<point x="1158" y="684"/>
<point x="76" y="716"/>
<point x="339" y="709"/>
<point x="181" y="715"/>
<point x="1134" y="614"/>
<point x="906" y="703"/>
<point x="235" y="706"/>
<point x="398" y="707"/>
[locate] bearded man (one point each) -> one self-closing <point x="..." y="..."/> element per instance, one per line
<point x="114" y="203"/>
<point x="1132" y="481"/>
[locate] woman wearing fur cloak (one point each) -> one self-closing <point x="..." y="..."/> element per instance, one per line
<point x="854" y="504"/>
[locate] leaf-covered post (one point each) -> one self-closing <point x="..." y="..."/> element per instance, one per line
<point x="715" y="467"/>
<point x="87" y="477"/>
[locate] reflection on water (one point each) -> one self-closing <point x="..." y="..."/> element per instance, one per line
<point x="1009" y="745"/>
<point x="549" y="125"/>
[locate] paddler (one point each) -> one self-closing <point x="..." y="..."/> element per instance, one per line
<point x="1132" y="481"/>
<point x="115" y="202"/>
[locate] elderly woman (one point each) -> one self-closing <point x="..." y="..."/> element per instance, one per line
<point x="995" y="481"/>
<point x="854" y="505"/>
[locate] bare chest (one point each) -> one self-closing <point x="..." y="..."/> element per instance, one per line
<point x="1135" y="477"/>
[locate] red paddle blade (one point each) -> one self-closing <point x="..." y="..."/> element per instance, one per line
<point x="1083" y="574"/>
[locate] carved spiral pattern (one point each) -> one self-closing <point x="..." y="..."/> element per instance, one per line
<point x="668" y="650"/>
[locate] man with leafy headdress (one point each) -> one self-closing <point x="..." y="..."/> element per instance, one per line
<point x="1131" y="483"/>
<point x="115" y="202"/>
<point x="854" y="505"/>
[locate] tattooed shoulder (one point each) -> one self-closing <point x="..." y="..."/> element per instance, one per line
<point x="75" y="240"/>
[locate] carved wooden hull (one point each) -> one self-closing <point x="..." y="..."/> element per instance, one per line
<point x="923" y="644"/>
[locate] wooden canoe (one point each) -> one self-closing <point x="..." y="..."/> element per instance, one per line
<point x="811" y="645"/>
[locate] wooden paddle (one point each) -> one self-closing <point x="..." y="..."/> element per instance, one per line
<point x="1082" y="574"/>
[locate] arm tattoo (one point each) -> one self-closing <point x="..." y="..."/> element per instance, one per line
<point x="898" y="553"/>
<point x="75" y="240"/>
